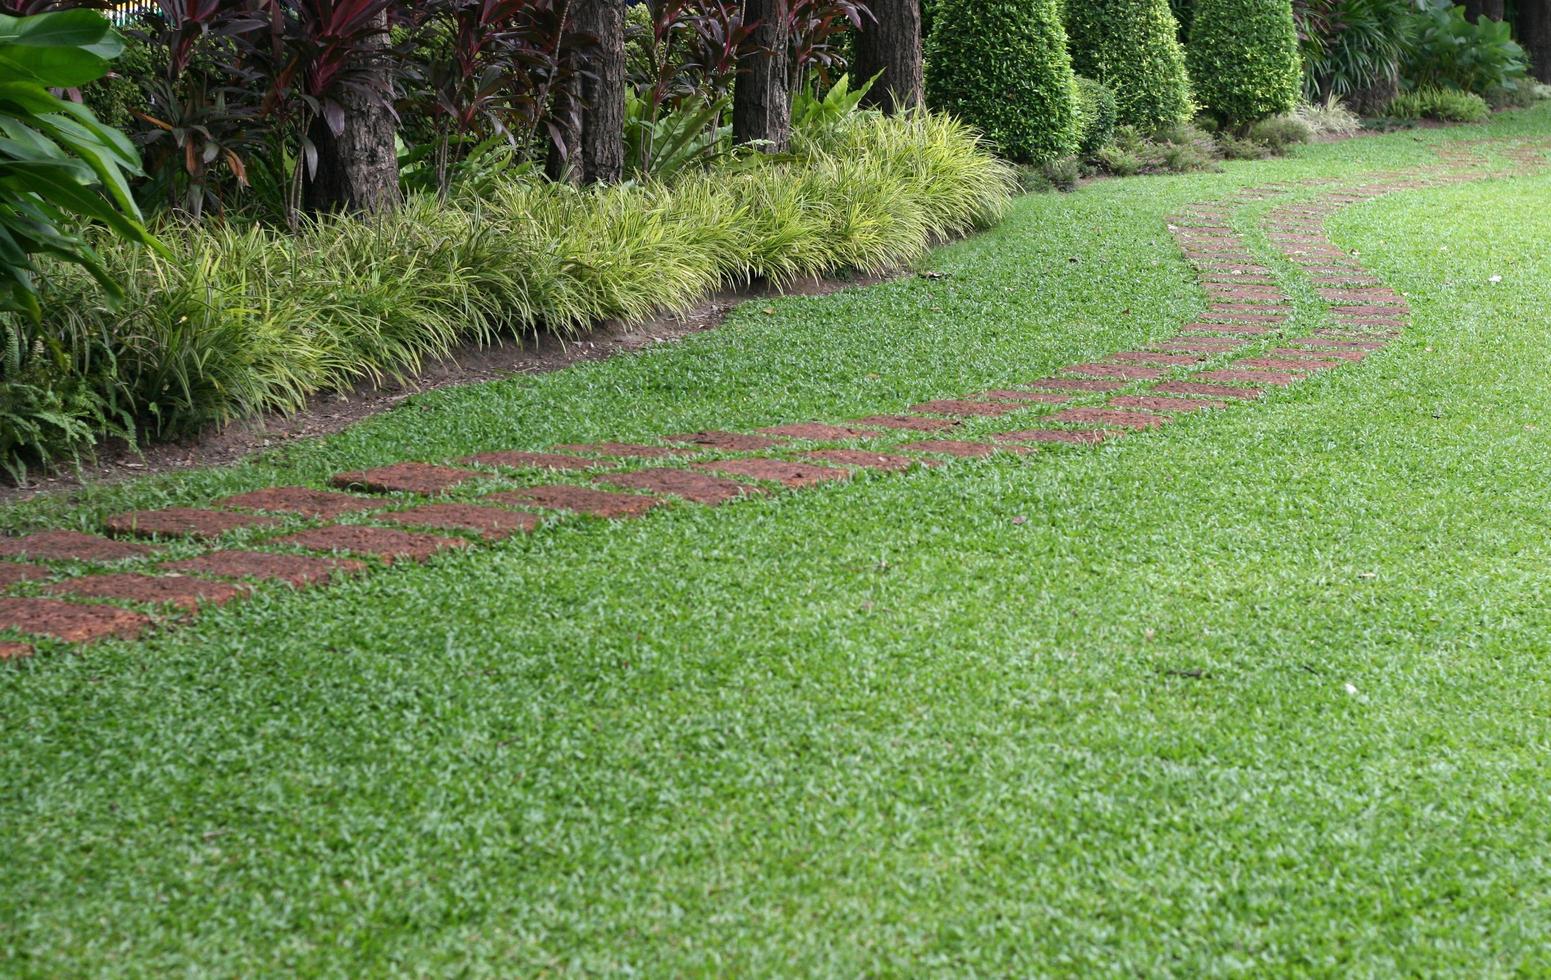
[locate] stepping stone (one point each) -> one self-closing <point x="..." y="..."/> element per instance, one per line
<point x="698" y="488"/>
<point x="1210" y="391"/>
<point x="1148" y="357"/>
<point x="866" y="460"/>
<point x="1238" y="314"/>
<point x="955" y="406"/>
<point x="1332" y="342"/>
<point x="736" y="442"/>
<point x="1244" y="330"/>
<point x="1124" y="371"/>
<point x="296" y="570"/>
<point x="12" y="573"/>
<point x="529" y="461"/>
<point x="1365" y="311"/>
<point x="417" y="478"/>
<point x="909" y="423"/>
<point x="182" y="522"/>
<point x="1254" y="377"/>
<point x="383" y="543"/>
<point x="1031" y="397"/>
<point x="1070" y="437"/>
<point x="186" y="593"/>
<point x="1078" y="384"/>
<point x="70" y="546"/>
<point x="622" y="450"/>
<point x="490" y="523"/>
<point x="70" y="622"/>
<point x="581" y="500"/>
<point x="963" y="450"/>
<point x="299" y="500"/>
<point x="1110" y="417"/>
<point x="788" y="474"/>
<point x="819" y="432"/>
<point x="1350" y="356"/>
<point x="1158" y="403"/>
<point x="1287" y="364"/>
<point x="15" y="651"/>
<point x="1203" y="345"/>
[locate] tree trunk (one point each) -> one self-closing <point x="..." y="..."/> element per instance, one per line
<point x="891" y="50"/>
<point x="603" y="91"/>
<point x="761" y="98"/>
<point x="1535" y="35"/>
<point x="1490" y="9"/>
<point x="358" y="168"/>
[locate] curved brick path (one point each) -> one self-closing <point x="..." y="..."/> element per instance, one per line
<point x="1230" y="356"/>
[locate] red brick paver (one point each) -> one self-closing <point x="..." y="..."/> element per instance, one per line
<point x="386" y="544"/>
<point x="699" y="488"/>
<point x="70" y="546"/>
<point x="182" y="522"/>
<point x="176" y="590"/>
<point x="866" y="460"/>
<point x="70" y="622"/>
<point x="490" y="523"/>
<point x="581" y="500"/>
<point x="1158" y="403"/>
<point x="788" y="474"/>
<point x="12" y="573"/>
<point x="295" y="570"/>
<point x="1109" y="417"/>
<point x="300" y="500"/>
<point x="417" y="478"/>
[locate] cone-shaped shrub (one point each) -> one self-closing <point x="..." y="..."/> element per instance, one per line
<point x="1133" y="47"/>
<point x="1243" y="57"/>
<point x="1002" y="66"/>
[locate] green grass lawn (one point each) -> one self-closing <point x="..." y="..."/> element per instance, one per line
<point x="1268" y="690"/>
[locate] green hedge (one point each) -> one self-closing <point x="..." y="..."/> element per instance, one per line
<point x="1096" y="106"/>
<point x="1002" y="66"/>
<point x="1243" y="57"/>
<point x="1133" y="47"/>
<point x="246" y="320"/>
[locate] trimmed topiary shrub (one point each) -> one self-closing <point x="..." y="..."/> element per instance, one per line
<point x="1443" y="104"/>
<point x="1096" y="108"/>
<point x="1243" y="57"/>
<point x="1002" y="66"/>
<point x="1133" y="47"/>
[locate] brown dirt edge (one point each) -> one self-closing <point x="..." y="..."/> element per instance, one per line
<point x="469" y="364"/>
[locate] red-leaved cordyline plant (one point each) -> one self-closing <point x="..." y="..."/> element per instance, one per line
<point x="814" y="27"/>
<point x="694" y="48"/>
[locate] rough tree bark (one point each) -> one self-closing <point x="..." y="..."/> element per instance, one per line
<point x="358" y="169"/>
<point x="1535" y="36"/>
<point x="602" y="148"/>
<point x="761" y="97"/>
<point x="1490" y="9"/>
<point x="891" y="50"/>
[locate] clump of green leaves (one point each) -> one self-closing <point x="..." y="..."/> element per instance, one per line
<point x="1443" y="104"/>
<point x="1133" y="47"/>
<point x="1243" y="57"/>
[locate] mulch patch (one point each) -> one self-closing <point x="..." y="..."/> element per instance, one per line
<point x="909" y="423"/>
<point x="182" y="522"/>
<point x="1254" y="377"/>
<point x="788" y="474"/>
<point x="11" y="573"/>
<point x="178" y="590"/>
<point x="70" y="622"/>
<point x="1211" y="391"/>
<point x="581" y="500"/>
<point x="384" y="543"/>
<point x="1069" y="437"/>
<point x="491" y="523"/>
<point x="1032" y="397"/>
<point x="819" y="432"/>
<point x="1157" y="403"/>
<point x="963" y="450"/>
<point x="699" y="488"/>
<point x="866" y="460"/>
<point x="736" y="442"/>
<point x="70" y="546"/>
<point x="1078" y="384"/>
<point x="15" y="651"/>
<point x="965" y="407"/>
<point x="622" y="450"/>
<point x="419" y="478"/>
<point x="1125" y="371"/>
<point x="529" y="461"/>
<point x="297" y="570"/>
<point x="299" y="500"/>
<point x="1109" y="416"/>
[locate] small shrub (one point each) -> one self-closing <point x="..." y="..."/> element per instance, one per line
<point x="1096" y="105"/>
<point x="1181" y="148"/>
<point x="1133" y="47"/>
<point x="1243" y="57"/>
<point x="1328" y="118"/>
<point x="1120" y="161"/>
<point x="1443" y="104"/>
<point x="1239" y="148"/>
<point x="1002" y="67"/>
<point x="1280" y="132"/>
